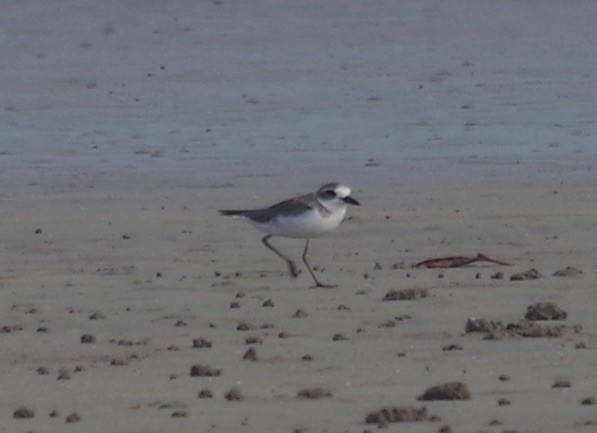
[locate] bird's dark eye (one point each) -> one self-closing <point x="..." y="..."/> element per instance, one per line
<point x="330" y="193"/>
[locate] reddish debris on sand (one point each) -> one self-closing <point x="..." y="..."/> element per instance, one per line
<point x="457" y="262"/>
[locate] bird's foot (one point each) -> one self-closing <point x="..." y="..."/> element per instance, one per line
<point x="324" y="286"/>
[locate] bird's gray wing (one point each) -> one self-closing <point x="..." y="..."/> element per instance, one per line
<point x="293" y="206"/>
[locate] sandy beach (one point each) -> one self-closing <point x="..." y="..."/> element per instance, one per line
<point x="130" y="305"/>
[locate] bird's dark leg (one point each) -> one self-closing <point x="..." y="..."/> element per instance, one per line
<point x="291" y="265"/>
<point x="317" y="282"/>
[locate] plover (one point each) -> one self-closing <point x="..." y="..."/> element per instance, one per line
<point x="304" y="217"/>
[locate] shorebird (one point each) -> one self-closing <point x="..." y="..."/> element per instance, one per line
<point x="305" y="217"/>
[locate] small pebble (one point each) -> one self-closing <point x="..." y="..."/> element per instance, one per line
<point x="253" y="340"/>
<point x="87" y="339"/>
<point x="234" y="395"/>
<point x="205" y="393"/>
<point x="561" y="384"/>
<point x="73" y="417"/>
<point x="98" y="315"/>
<point x="452" y="346"/>
<point x="201" y="343"/>
<point x="314" y="393"/>
<point x="300" y="313"/>
<point x="250" y="355"/>
<point x="204" y="370"/>
<point x="63" y="374"/>
<point x="245" y="327"/>
<point x="23" y="413"/>
<point x="268" y="303"/>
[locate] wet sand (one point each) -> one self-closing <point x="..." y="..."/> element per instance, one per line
<point x="130" y="305"/>
<point x="141" y="273"/>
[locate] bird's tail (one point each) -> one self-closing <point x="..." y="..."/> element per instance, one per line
<point x="232" y="212"/>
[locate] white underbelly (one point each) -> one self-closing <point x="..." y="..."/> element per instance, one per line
<point x="305" y="226"/>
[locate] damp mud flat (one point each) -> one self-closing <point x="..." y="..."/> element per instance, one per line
<point x="128" y="304"/>
<point x="145" y="310"/>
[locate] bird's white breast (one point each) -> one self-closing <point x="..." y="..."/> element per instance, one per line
<point x="306" y="225"/>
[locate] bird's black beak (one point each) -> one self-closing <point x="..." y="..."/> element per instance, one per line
<point x="351" y="200"/>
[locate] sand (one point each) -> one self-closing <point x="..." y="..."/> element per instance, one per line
<point x="462" y="127"/>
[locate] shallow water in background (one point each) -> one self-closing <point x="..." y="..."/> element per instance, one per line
<point x="396" y="93"/>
